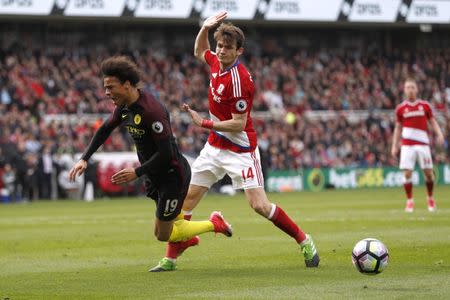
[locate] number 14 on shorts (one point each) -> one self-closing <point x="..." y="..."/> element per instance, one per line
<point x="247" y="174"/>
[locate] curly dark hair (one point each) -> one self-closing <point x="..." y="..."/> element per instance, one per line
<point x="123" y="68"/>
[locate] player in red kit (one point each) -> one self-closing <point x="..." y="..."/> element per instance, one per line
<point x="412" y="117"/>
<point x="232" y="143"/>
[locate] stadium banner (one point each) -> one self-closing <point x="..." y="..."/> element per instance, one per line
<point x="97" y="8"/>
<point x="429" y="11"/>
<point x="237" y="9"/>
<point x="284" y="181"/>
<point x="26" y="7"/>
<point x="374" y="11"/>
<point x="318" y="179"/>
<point x="164" y="8"/>
<point x="300" y="10"/>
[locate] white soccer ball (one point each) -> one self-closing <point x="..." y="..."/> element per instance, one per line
<point x="370" y="256"/>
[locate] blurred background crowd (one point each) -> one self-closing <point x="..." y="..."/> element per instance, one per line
<point x="322" y="99"/>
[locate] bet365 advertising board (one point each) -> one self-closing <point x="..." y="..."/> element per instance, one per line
<point x="318" y="179"/>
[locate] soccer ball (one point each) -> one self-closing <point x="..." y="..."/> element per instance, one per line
<point x="370" y="256"/>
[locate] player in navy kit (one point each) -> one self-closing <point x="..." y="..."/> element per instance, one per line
<point x="166" y="171"/>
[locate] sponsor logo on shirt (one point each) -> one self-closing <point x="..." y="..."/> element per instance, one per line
<point x="215" y="97"/>
<point x="220" y="89"/>
<point x="135" y="132"/>
<point x="417" y="113"/>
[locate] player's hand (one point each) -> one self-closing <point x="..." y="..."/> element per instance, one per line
<point x="124" y="176"/>
<point x="78" y="169"/>
<point x="214" y="20"/>
<point x="194" y="115"/>
<point x="394" y="151"/>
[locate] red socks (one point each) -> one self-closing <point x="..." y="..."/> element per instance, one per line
<point x="430" y="188"/>
<point x="282" y="221"/>
<point x="173" y="249"/>
<point x="408" y="189"/>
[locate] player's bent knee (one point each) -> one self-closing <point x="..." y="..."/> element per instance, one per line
<point x="162" y="237"/>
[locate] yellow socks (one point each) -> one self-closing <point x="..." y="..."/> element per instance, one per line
<point x="184" y="230"/>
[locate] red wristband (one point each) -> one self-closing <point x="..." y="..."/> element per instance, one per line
<point x="207" y="123"/>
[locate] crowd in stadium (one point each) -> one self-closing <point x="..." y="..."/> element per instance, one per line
<point x="53" y="81"/>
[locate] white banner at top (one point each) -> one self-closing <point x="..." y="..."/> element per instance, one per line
<point x="429" y="11"/>
<point x="237" y="9"/>
<point x="26" y="7"/>
<point x="374" y="11"/>
<point x="164" y="8"/>
<point x="100" y="8"/>
<point x="301" y="10"/>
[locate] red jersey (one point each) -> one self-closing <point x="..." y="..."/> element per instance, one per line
<point x="414" y="116"/>
<point x="230" y="92"/>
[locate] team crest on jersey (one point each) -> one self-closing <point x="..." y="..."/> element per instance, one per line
<point x="157" y="127"/>
<point x="220" y="89"/>
<point x="137" y="119"/>
<point x="241" y="105"/>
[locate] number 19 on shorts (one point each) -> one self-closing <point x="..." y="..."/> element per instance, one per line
<point x="171" y="205"/>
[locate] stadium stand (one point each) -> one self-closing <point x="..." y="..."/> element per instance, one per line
<point x="51" y="94"/>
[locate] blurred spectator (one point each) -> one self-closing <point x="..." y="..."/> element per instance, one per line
<point x="52" y="99"/>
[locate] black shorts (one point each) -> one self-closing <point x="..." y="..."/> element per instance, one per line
<point x="169" y="190"/>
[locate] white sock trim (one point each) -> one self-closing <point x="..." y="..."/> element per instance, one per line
<point x="272" y="211"/>
<point x="174" y="260"/>
<point x="305" y="240"/>
<point x="407" y="180"/>
<point x="187" y="212"/>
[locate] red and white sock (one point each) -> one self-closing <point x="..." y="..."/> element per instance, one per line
<point x="280" y="219"/>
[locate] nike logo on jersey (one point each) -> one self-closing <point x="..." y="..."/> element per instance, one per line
<point x="124" y="116"/>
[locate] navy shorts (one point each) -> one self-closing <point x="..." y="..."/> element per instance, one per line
<point x="169" y="190"/>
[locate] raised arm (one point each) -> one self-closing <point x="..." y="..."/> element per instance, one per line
<point x="201" y="41"/>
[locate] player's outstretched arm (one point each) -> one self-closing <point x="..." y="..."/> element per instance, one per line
<point x="99" y="138"/>
<point x="124" y="176"/>
<point x="437" y="130"/>
<point x="236" y="124"/>
<point x="201" y="41"/>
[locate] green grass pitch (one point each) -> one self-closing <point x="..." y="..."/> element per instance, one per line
<point x="102" y="250"/>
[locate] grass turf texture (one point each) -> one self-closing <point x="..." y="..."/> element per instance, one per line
<point x="102" y="250"/>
